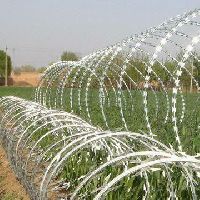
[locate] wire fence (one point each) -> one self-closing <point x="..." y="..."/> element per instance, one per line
<point x="115" y="124"/>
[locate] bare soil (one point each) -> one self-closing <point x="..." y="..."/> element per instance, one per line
<point x="26" y="79"/>
<point x="10" y="188"/>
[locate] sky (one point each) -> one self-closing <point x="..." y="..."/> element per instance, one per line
<point x="36" y="32"/>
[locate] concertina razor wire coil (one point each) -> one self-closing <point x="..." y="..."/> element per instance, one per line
<point x="101" y="127"/>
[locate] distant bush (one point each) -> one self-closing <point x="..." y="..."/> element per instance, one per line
<point x="69" y="56"/>
<point x="27" y="68"/>
<point x="23" y="68"/>
<point x="40" y="69"/>
<point x="17" y="71"/>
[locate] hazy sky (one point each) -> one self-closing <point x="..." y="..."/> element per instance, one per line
<point x="38" y="31"/>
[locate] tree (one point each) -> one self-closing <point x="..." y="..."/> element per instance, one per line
<point x="69" y="56"/>
<point x="3" y="64"/>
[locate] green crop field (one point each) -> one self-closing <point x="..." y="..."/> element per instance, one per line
<point x="135" y="119"/>
<point x="188" y="131"/>
<point x="23" y="92"/>
<point x="134" y="115"/>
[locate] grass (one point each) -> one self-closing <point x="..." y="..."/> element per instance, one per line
<point x="23" y="92"/>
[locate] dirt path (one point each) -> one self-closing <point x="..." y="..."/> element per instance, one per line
<point x="10" y="188"/>
<point x="26" y="79"/>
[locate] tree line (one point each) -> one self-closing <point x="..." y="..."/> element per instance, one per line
<point x="136" y="69"/>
